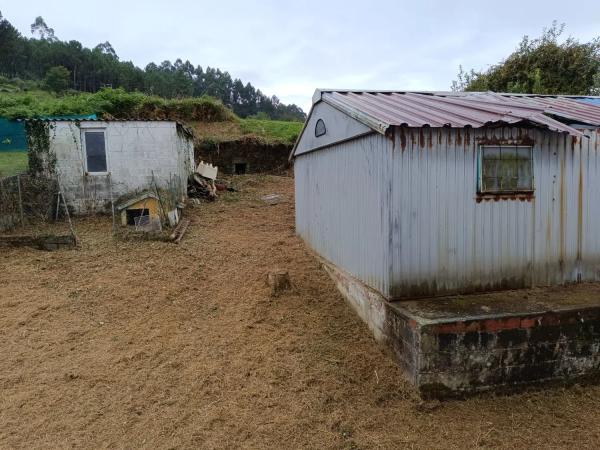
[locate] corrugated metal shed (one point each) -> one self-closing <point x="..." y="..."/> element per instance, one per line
<point x="399" y="207"/>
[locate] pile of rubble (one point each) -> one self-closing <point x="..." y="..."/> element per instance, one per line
<point x="201" y="183"/>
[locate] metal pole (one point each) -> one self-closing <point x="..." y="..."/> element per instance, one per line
<point x="68" y="216"/>
<point x="112" y="203"/>
<point x="20" y="200"/>
<point x="57" y="206"/>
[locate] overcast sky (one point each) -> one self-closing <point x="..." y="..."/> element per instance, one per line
<point x="290" y="48"/>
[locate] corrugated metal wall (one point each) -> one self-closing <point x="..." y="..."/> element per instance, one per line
<point x="343" y="206"/>
<point x="405" y="217"/>
<point x="447" y="240"/>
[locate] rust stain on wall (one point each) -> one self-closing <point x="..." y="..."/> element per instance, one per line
<point x="467" y="136"/>
<point x="580" y="212"/>
<point x="524" y="197"/>
<point x="561" y="237"/>
<point x="402" y="138"/>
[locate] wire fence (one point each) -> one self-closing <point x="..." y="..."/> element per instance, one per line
<point x="26" y="200"/>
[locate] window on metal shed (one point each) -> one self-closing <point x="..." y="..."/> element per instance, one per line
<point x="505" y="169"/>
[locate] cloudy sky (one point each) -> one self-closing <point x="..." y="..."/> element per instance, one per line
<point x="290" y="48"/>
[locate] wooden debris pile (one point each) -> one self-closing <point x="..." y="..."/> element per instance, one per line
<point x="201" y="183"/>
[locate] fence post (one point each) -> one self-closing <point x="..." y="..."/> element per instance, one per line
<point x="20" y="200"/>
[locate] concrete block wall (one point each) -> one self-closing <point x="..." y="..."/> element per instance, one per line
<point x="135" y="150"/>
<point x="506" y="352"/>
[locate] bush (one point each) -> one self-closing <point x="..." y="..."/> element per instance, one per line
<point x="113" y="103"/>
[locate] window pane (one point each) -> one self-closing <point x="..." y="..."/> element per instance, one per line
<point x="525" y="184"/>
<point x="525" y="178"/>
<point x="509" y="152"/>
<point x="508" y="183"/>
<point x="506" y="168"/>
<point x="524" y="153"/>
<point x="490" y="168"/>
<point x="490" y="184"/>
<point x="96" y="151"/>
<point x="491" y="153"/>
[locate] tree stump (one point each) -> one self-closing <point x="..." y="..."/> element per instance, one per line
<point x="279" y="280"/>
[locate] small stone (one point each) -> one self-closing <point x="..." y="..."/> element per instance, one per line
<point x="271" y="199"/>
<point x="279" y="281"/>
<point x="428" y="406"/>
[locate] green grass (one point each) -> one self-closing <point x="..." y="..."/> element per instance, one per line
<point x="12" y="163"/>
<point x="269" y="131"/>
<point x="272" y="130"/>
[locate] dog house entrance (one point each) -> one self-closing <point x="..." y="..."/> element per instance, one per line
<point x="133" y="214"/>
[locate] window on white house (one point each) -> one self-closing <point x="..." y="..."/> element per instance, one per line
<point x="95" y="150"/>
<point x="505" y="168"/>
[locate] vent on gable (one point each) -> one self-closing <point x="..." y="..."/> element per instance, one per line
<point x="320" y="129"/>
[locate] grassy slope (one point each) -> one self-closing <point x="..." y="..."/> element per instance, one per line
<point x="271" y="131"/>
<point x="209" y="118"/>
<point x="12" y="163"/>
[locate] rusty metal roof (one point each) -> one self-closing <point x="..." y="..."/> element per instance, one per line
<point x="382" y="109"/>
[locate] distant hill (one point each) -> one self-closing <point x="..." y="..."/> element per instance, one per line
<point x="62" y="66"/>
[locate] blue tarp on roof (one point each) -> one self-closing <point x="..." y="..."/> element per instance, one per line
<point x="590" y="100"/>
<point x="70" y="117"/>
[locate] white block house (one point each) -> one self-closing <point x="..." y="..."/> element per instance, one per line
<point x="99" y="160"/>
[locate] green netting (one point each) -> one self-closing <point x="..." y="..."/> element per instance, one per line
<point x="12" y="136"/>
<point x="12" y="132"/>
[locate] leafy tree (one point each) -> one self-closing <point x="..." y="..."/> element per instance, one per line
<point x="40" y="28"/>
<point x="106" y="49"/>
<point x="57" y="78"/>
<point x="541" y="66"/>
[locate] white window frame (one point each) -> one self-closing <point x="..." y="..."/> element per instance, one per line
<point x="85" y="156"/>
<point x="480" y="190"/>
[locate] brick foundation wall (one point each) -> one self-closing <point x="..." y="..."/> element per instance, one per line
<point x="477" y="355"/>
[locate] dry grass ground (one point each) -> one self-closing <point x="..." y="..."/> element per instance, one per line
<point x="153" y="345"/>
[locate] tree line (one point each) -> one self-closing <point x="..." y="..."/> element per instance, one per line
<point x="542" y="65"/>
<point x="65" y="65"/>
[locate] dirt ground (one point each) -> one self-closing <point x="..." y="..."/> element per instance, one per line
<point x="153" y="345"/>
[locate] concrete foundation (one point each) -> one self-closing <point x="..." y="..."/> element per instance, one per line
<point x="49" y="242"/>
<point x="459" y="346"/>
